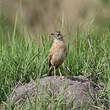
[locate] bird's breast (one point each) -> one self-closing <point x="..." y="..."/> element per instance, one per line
<point x="59" y="53"/>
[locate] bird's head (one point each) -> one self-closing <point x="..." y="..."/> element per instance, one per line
<point x="57" y="35"/>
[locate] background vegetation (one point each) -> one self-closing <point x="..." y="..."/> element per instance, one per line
<point x="39" y="15"/>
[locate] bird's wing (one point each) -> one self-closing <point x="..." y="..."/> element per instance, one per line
<point x="49" y="59"/>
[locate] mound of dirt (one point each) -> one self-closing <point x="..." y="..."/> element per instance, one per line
<point x="77" y="90"/>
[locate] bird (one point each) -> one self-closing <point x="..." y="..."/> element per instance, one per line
<point x="57" y="53"/>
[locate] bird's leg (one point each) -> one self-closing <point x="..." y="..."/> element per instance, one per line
<point x="54" y="72"/>
<point x="61" y="77"/>
<point x="50" y="71"/>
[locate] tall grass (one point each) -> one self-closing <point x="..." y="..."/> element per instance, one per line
<point x="22" y="59"/>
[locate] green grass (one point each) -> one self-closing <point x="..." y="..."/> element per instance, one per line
<point x="21" y="59"/>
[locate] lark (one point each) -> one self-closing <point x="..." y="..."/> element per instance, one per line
<point x="57" y="53"/>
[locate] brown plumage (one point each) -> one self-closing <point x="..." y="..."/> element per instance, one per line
<point x="57" y="53"/>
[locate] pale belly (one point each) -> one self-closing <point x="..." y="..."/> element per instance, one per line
<point x="58" y="57"/>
